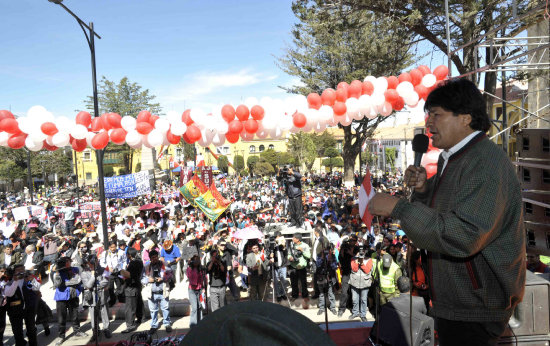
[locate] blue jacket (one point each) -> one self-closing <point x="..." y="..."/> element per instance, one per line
<point x="65" y="287"/>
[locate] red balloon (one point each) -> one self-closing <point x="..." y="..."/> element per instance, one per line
<point x="441" y="72"/>
<point x="114" y="120"/>
<point x="144" y="128"/>
<point x="314" y="100"/>
<point x="153" y="119"/>
<point x="232" y="137"/>
<point x="235" y="126"/>
<point x="431" y="169"/>
<point x="17" y="141"/>
<point x="416" y="76"/>
<point x="251" y="126"/>
<point x="10" y="126"/>
<point x="79" y="144"/>
<point x="186" y="117"/>
<point x="118" y="136"/>
<point x="228" y="113"/>
<point x="257" y="112"/>
<point x="172" y="138"/>
<point x="391" y="95"/>
<point x="97" y="124"/>
<point x="343" y="85"/>
<point x="339" y="108"/>
<point x="424" y="69"/>
<point x="143" y="116"/>
<point x="328" y="97"/>
<point x="105" y="121"/>
<point x="48" y="128"/>
<point x="341" y="95"/>
<point x="84" y="118"/>
<point x="100" y="140"/>
<point x="193" y="133"/>
<point x="392" y="82"/>
<point x="398" y="104"/>
<point x="355" y="89"/>
<point x="422" y="91"/>
<point x="186" y="138"/>
<point x="49" y="147"/>
<point x="367" y="88"/>
<point x="299" y="120"/>
<point x="404" y="77"/>
<point x="242" y="112"/>
<point x="5" y="114"/>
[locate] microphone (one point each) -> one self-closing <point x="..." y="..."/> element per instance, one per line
<point x="420" y="144"/>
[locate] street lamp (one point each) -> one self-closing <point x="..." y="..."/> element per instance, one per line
<point x="99" y="153"/>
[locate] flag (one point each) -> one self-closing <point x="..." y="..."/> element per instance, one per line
<point x="200" y="160"/>
<point x="193" y="189"/>
<point x="202" y="299"/>
<point x="365" y="195"/>
<point x="212" y="203"/>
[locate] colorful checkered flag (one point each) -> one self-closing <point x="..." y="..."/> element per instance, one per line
<point x="366" y="193"/>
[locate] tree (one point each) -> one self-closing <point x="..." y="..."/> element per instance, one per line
<point x="333" y="162"/>
<point x="188" y="151"/>
<point x="251" y="162"/>
<point x="391" y="154"/>
<point x="469" y="20"/>
<point x="238" y="163"/>
<point x="332" y="154"/>
<point x="301" y="145"/>
<point x="46" y="163"/>
<point x="323" y="141"/>
<point x="11" y="172"/>
<point x="124" y="98"/>
<point x="332" y="44"/>
<point x="276" y="158"/>
<point x="223" y="163"/>
<point x="263" y="168"/>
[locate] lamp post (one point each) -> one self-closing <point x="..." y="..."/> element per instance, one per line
<point x="90" y="35"/>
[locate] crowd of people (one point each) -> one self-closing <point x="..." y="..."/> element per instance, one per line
<point x="174" y="242"/>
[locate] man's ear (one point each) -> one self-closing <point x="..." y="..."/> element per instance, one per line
<point x="466" y="119"/>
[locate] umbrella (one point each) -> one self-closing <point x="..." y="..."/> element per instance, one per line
<point x="177" y="169"/>
<point x="151" y="206"/>
<point x="249" y="233"/>
<point x="129" y="211"/>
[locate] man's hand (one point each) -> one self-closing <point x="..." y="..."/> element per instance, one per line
<point x="416" y="177"/>
<point x="382" y="204"/>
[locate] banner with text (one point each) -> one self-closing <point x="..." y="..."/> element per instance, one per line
<point x="127" y="186"/>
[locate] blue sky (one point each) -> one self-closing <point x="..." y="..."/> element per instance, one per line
<point x="189" y="53"/>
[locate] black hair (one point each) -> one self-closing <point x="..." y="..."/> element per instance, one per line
<point x="113" y="242"/>
<point x="298" y="236"/>
<point x="133" y="252"/>
<point x="461" y="96"/>
<point x="151" y="253"/>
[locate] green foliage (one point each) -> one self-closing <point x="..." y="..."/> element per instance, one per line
<point x="45" y="163"/>
<point x="331" y="44"/>
<point x="390" y="156"/>
<point x="263" y="168"/>
<point x="244" y="172"/>
<point x="108" y="170"/>
<point x="238" y="163"/>
<point x="188" y="150"/>
<point x="331" y="152"/>
<point x="333" y="162"/>
<point x="277" y="159"/>
<point x="323" y="141"/>
<point x="10" y="171"/>
<point x="223" y="163"/>
<point x="302" y="147"/>
<point x="269" y="155"/>
<point x="251" y="161"/>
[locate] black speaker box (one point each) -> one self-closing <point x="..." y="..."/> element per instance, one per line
<point x="394" y="328"/>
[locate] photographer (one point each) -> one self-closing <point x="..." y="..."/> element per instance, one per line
<point x="293" y="187"/>
<point x="21" y="301"/>
<point x="158" y="276"/>
<point x="257" y="267"/>
<point x="132" y="290"/>
<point x="217" y="271"/>
<point x="299" y="256"/>
<point x="68" y="286"/>
<point x="91" y="273"/>
<point x="360" y="281"/>
<point x="170" y="255"/>
<point x="226" y="251"/>
<point x="279" y="258"/>
<point x="348" y="249"/>
<point x="113" y="261"/>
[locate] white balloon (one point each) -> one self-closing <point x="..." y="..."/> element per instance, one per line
<point x="61" y="139"/>
<point x="173" y="117"/>
<point x="286" y="123"/>
<point x="145" y="141"/>
<point x="307" y="128"/>
<point x="36" y="112"/>
<point x="380" y="85"/>
<point x="221" y="127"/>
<point x="346" y="120"/>
<point x="128" y="123"/>
<point x="162" y="124"/>
<point x="385" y="109"/>
<point x="137" y="145"/>
<point x="262" y="134"/>
<point x="89" y="137"/>
<point x="275" y="133"/>
<point x="404" y="88"/>
<point x="197" y="115"/>
<point x="320" y="127"/>
<point x="24" y="124"/>
<point x="332" y="122"/>
<point x="218" y="140"/>
<point x="246" y="136"/>
<point x="63" y="123"/>
<point x="429" y="80"/>
<point x="4" y="139"/>
<point x="411" y="99"/>
<point x="371" y="79"/>
<point x="49" y="140"/>
<point x="312" y="117"/>
<point x="250" y="102"/>
<point x="155" y="137"/>
<point x="364" y="104"/>
<point x="352" y="105"/>
<point x="378" y="99"/>
<point x="178" y="128"/>
<point x="133" y="138"/>
<point x="32" y="145"/>
<point x="48" y="116"/>
<point x="79" y="131"/>
<point x="37" y="135"/>
<point x="325" y="113"/>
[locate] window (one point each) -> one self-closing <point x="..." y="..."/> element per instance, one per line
<point x="525" y="142"/>
<point x="531" y="238"/>
<point x="545" y="176"/>
<point x="272" y="147"/>
<point x="528" y="208"/>
<point x="499" y="112"/>
<point x="88" y="176"/>
<point x="179" y="151"/>
<point x="547" y="212"/>
<point x="87" y="156"/>
<point x="545" y="144"/>
<point x="252" y="149"/>
<point x="262" y="148"/>
<point x="526" y="175"/>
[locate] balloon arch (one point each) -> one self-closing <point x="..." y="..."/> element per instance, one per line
<point x="371" y="98"/>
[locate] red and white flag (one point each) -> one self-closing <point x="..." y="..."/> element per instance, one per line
<point x="366" y="193"/>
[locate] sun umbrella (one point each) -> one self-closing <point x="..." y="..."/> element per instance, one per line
<point x="129" y="211"/>
<point x="151" y="206"/>
<point x="249" y="233"/>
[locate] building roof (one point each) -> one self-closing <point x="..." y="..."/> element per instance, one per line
<point x="398" y="132"/>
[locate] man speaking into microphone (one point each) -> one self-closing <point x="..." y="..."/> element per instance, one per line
<point x="468" y="217"/>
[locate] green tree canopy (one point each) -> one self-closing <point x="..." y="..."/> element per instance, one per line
<point x="223" y="163"/>
<point x="391" y="154"/>
<point x="263" y="168"/>
<point x="302" y="147"/>
<point x="251" y="162"/>
<point x="238" y="163"/>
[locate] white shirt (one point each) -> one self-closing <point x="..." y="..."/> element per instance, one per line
<point x="28" y="263"/>
<point x="446" y="154"/>
<point x="7" y="259"/>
